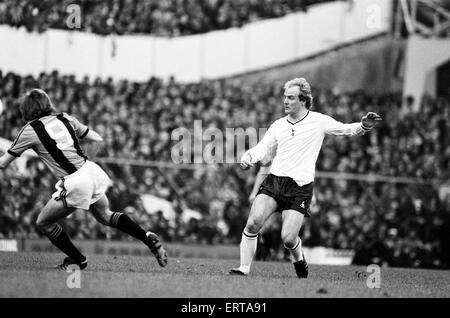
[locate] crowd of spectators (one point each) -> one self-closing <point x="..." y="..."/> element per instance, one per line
<point x="159" y="17"/>
<point x="394" y="224"/>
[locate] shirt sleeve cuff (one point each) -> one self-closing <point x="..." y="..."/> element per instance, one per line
<point x="252" y="156"/>
<point x="85" y="133"/>
<point x="14" y="154"/>
<point x="365" y="128"/>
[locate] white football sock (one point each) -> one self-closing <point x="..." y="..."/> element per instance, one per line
<point x="296" y="251"/>
<point x="248" y="246"/>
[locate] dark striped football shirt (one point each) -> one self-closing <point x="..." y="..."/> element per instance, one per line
<point x="56" y="140"/>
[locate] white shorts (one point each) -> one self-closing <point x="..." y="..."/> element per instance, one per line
<point x="83" y="187"/>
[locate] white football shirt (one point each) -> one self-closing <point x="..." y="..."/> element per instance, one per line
<point x="298" y="144"/>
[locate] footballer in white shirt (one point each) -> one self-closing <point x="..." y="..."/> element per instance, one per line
<point x="288" y="188"/>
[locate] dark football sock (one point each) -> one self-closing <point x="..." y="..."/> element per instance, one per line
<point x="127" y="225"/>
<point x="61" y="240"/>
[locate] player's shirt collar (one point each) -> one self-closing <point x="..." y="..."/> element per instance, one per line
<point x="287" y="118"/>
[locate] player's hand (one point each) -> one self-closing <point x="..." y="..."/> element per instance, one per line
<point x="246" y="161"/>
<point x="370" y="120"/>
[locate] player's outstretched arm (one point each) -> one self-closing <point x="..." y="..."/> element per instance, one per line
<point x="370" y="120"/>
<point x="5" y="160"/>
<point x="334" y="127"/>
<point x="92" y="143"/>
<point x="93" y="136"/>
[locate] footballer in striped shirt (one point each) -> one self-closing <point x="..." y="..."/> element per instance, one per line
<point x="82" y="184"/>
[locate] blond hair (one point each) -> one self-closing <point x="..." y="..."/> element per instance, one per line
<point x="304" y="88"/>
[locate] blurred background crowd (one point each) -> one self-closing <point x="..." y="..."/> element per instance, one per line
<point x="396" y="224"/>
<point x="162" y="17"/>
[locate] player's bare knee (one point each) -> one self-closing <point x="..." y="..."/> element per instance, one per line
<point x="102" y="216"/>
<point x="106" y="218"/>
<point x="252" y="227"/>
<point x="43" y="225"/>
<point x="289" y="239"/>
<point x="103" y="221"/>
<point x="40" y="222"/>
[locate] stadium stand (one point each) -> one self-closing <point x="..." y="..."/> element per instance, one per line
<point x="161" y="18"/>
<point x="383" y="222"/>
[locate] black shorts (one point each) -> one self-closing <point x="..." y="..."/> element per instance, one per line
<point x="288" y="194"/>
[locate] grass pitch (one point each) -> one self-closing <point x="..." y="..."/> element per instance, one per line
<point x="32" y="275"/>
